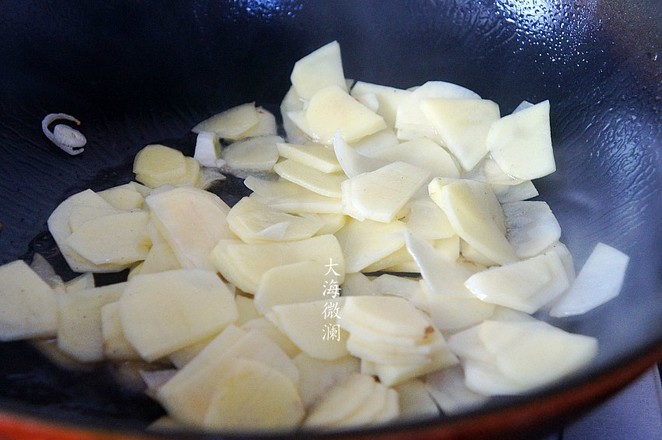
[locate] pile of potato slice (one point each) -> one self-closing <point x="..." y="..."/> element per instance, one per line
<point x="386" y="265"/>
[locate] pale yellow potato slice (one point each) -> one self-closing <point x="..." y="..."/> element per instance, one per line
<point x="253" y="222"/>
<point x="473" y="221"/>
<point x="317" y="70"/>
<point x="373" y="144"/>
<point x="390" y="316"/>
<point x="332" y="109"/>
<point x="292" y="103"/>
<point x="414" y="401"/>
<point x="258" y="346"/>
<point x="29" y="305"/>
<point x="381" y="194"/>
<point x="352" y="161"/>
<point x="184" y="355"/>
<point x="159" y="259"/>
<point x="192" y="221"/>
<point x="462" y="125"/>
<point x="423" y="153"/>
<point x="368" y="411"/>
<point x="525" y="350"/>
<point x="252" y="154"/>
<point x="157" y="164"/>
<point x="207" y="149"/>
<point x="427" y="220"/>
<point x="398" y="261"/>
<point x="253" y="396"/>
<point x="91" y="209"/>
<point x="245" y="264"/>
<point x="187" y="395"/>
<point x="357" y="284"/>
<point x="268" y="329"/>
<point x="441" y="275"/>
<point x="326" y="184"/>
<point x="307" y="326"/>
<point x="389" y="98"/>
<point x="231" y="124"/>
<point x="332" y="222"/>
<point x="599" y="280"/>
<point x="128" y="196"/>
<point x="79" y="329"/>
<point x="392" y="375"/>
<point x="407" y="287"/>
<point x="512" y="193"/>
<point x="115" y="345"/>
<point x="266" y="124"/>
<point x="366" y="242"/>
<point x="341" y="401"/>
<point x="521" y="143"/>
<point x="119" y="239"/>
<point x="448" y="390"/>
<point x="59" y="227"/>
<point x="525" y="285"/>
<point x="319" y="157"/>
<point x="310" y="326"/>
<point x="411" y="122"/>
<point x="288" y="197"/>
<point x="317" y="376"/>
<point x="532" y="227"/>
<point x="452" y="312"/>
<point x="291" y="283"/>
<point x="84" y="281"/>
<point x="166" y="311"/>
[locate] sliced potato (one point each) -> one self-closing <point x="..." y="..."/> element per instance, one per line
<point x="521" y="143"/>
<point x="232" y="124"/>
<point x="317" y="376"/>
<point x="191" y="221"/>
<point x="253" y="222"/>
<point x="310" y="326"/>
<point x="326" y="184"/>
<point x="332" y="109"/>
<point x="317" y="70"/>
<point x="253" y="394"/>
<point x="365" y="242"/>
<point x="288" y="197"/>
<point x="252" y="154"/>
<point x="245" y="264"/>
<point x="166" y="311"/>
<point x="29" y="307"/>
<point x="291" y="283"/>
<point x="118" y="239"/>
<point x="79" y="332"/>
<point x="319" y="157"/>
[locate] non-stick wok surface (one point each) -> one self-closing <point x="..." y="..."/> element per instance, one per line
<point x="137" y="72"/>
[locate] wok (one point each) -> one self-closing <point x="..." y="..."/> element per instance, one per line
<point x="136" y="72"/>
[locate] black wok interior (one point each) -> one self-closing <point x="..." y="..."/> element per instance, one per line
<point x="136" y="72"/>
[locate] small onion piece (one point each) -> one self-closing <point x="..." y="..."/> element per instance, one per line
<point x="65" y="137"/>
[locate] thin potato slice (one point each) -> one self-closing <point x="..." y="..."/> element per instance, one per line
<point x="253" y="222"/>
<point x="288" y="197"/>
<point x="253" y="394"/>
<point x="191" y="221"/>
<point x="381" y="194"/>
<point x="291" y="283"/>
<point x="319" y="157"/>
<point x="317" y="70"/>
<point x="166" y="311"/>
<point x="332" y="109"/>
<point x="79" y="332"/>
<point x="252" y="154"/>
<point x="245" y="264"/>
<point x="473" y="222"/>
<point x="232" y="124"/>
<point x="366" y="242"/>
<point x="326" y="184"/>
<point x="389" y="98"/>
<point x="29" y="307"/>
<point x="119" y="239"/>
<point x="521" y="143"/>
